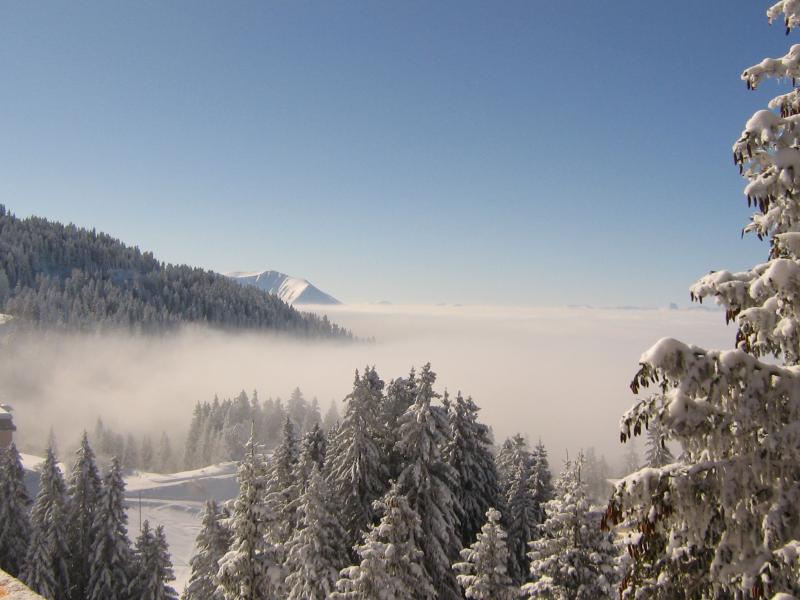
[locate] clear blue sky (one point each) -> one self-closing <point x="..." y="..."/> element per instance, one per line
<point x="515" y="152"/>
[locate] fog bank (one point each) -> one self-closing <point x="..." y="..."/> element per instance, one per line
<point x="561" y="374"/>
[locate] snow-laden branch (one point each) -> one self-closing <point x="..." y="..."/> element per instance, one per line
<point x="722" y="520"/>
<point x="737" y="420"/>
<point x="790" y="9"/>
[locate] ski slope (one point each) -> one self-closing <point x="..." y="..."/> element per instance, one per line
<point x="174" y="500"/>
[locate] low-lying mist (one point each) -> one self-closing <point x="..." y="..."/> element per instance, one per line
<point x="559" y="374"/>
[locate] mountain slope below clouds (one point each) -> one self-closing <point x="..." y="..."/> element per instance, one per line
<point x="291" y="290"/>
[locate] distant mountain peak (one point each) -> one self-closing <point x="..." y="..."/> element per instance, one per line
<point x="292" y="290"/>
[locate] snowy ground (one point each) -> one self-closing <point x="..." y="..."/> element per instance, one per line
<point x="174" y="501"/>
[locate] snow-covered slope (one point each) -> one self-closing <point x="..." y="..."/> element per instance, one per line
<point x="176" y="501"/>
<point x="291" y="290"/>
<point x="173" y="500"/>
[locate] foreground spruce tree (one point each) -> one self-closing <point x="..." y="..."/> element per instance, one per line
<point x="212" y="544"/>
<point x="14" y="505"/>
<point x="542" y="477"/>
<point x="283" y="485"/>
<point x="572" y="559"/>
<point x="400" y="395"/>
<point x="313" y="448"/>
<point x="730" y="506"/>
<point x="356" y="472"/>
<point x="468" y="451"/>
<point x="430" y="484"/>
<point x="152" y="567"/>
<point x="84" y="489"/>
<point x="316" y="552"/>
<point x="46" y="571"/>
<point x="111" y="564"/>
<point x="506" y="457"/>
<point x="484" y="571"/>
<point x="391" y="562"/>
<point x="524" y="509"/>
<point x="250" y="570"/>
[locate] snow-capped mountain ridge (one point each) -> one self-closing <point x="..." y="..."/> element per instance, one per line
<point x="292" y="290"/>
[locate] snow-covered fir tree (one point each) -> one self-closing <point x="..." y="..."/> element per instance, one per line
<point x="508" y="459"/>
<point x="596" y="475"/>
<point x="274" y="417"/>
<point x="331" y="435"/>
<point x="212" y="544"/>
<point x="46" y="569"/>
<point x="391" y="562"/>
<point x="525" y="512"/>
<point x="162" y="568"/>
<point x="332" y="417"/>
<point x="297" y="407"/>
<point x="130" y="454"/>
<point x="110" y="569"/>
<point x="400" y="395"/>
<point x="483" y="572"/>
<point x="658" y="454"/>
<point x="356" y="472"/>
<point x="250" y="570"/>
<point x="430" y="484"/>
<point x="152" y="567"/>
<point x="84" y="490"/>
<point x="730" y="505"/>
<point x="147" y="454"/>
<point x="284" y="485"/>
<point x="468" y="451"/>
<point x="313" y="417"/>
<point x="316" y="552"/>
<point x="52" y="441"/>
<point x="219" y="430"/>
<point x="572" y="559"/>
<point x="505" y="458"/>
<point x="37" y="570"/>
<point x="313" y="448"/>
<point x="14" y="505"/>
<point x="543" y="479"/>
<point x="191" y="452"/>
<point x="166" y="462"/>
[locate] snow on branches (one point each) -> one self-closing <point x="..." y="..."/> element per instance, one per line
<point x="729" y="507"/>
<point x="722" y="520"/>
<point x="483" y="571"/>
<point x="790" y="9"/>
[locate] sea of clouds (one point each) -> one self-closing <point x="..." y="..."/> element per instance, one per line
<point x="559" y="374"/>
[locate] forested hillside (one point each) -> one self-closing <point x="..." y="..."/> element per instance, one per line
<point x="66" y="277"/>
